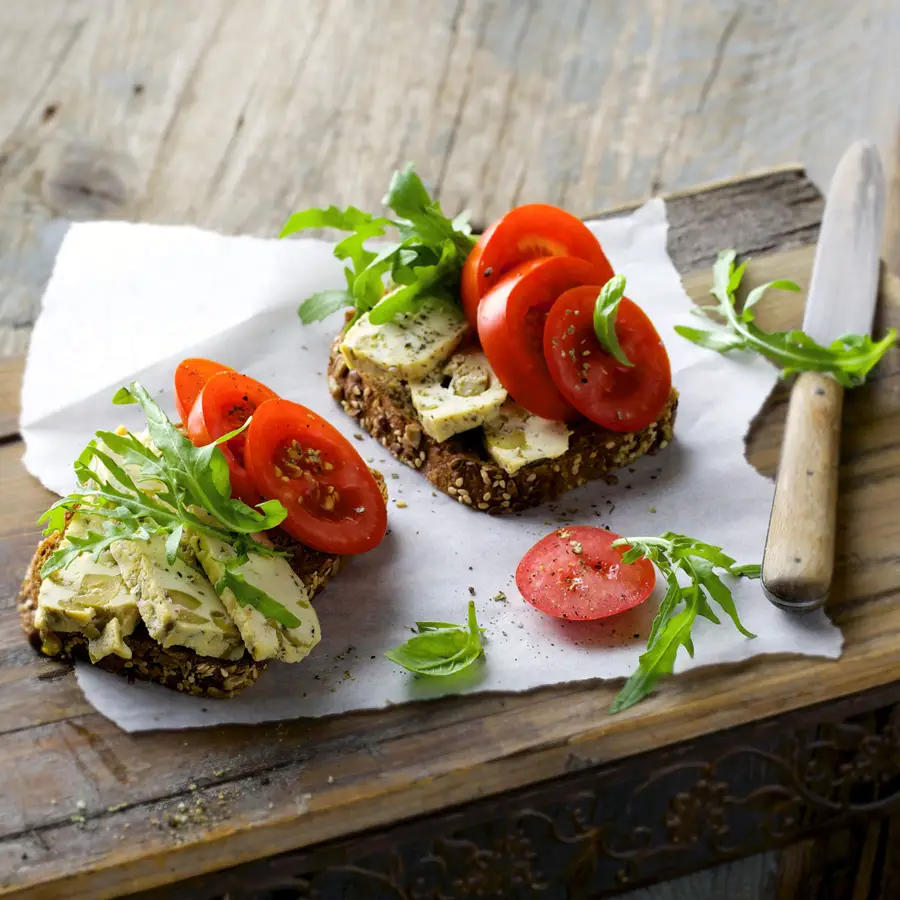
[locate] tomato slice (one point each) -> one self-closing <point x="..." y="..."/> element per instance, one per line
<point x="618" y="397"/>
<point x="511" y="328"/>
<point x="333" y="501"/>
<point x="226" y="401"/>
<point x="526" y="232"/>
<point x="190" y="376"/>
<point x="576" y="573"/>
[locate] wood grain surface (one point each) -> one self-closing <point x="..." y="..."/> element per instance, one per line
<point x="798" y="561"/>
<point x="265" y="789"/>
<point x="231" y="113"/>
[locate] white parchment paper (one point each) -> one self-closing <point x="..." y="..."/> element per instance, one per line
<point x="129" y="301"/>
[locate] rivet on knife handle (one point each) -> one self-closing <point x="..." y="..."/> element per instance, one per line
<point x="799" y="557"/>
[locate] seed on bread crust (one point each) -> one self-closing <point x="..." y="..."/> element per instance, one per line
<point x="461" y="468"/>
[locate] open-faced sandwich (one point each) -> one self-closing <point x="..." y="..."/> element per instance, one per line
<point x="189" y="554"/>
<point x="508" y="369"/>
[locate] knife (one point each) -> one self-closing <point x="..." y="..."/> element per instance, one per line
<point x="798" y="561"/>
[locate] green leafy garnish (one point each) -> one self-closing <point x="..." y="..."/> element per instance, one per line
<point x="696" y="561"/>
<point x="166" y="487"/>
<point x="440" y="648"/>
<point x="849" y="358"/>
<point x="250" y="595"/>
<point x="199" y="475"/>
<point x="605" y="310"/>
<point x="426" y="262"/>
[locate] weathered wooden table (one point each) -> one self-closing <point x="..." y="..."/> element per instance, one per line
<point x="230" y="113"/>
<point x="515" y="795"/>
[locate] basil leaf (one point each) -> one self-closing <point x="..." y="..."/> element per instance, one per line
<point x="422" y="627"/>
<point x="605" y="310"/>
<point x="440" y="648"/>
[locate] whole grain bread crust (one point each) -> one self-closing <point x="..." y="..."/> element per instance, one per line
<point x="179" y="668"/>
<point x="460" y="466"/>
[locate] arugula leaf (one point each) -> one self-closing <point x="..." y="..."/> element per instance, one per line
<point x="440" y="648"/>
<point x="167" y="488"/>
<point x="199" y="475"/>
<point x="425" y="279"/>
<point x="427" y="261"/>
<point x="250" y="595"/>
<point x="92" y="542"/>
<point x="322" y="304"/>
<point x="696" y="561"/>
<point x="849" y="358"/>
<point x="349" y="219"/>
<point x="605" y="310"/>
<point x="658" y="660"/>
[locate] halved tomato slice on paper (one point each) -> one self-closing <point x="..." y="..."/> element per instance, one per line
<point x="576" y="573"/>
<point x="616" y="396"/>
<point x="511" y="321"/>
<point x="190" y="376"/>
<point x="226" y="401"/>
<point x="527" y="232"/>
<point x="332" y="499"/>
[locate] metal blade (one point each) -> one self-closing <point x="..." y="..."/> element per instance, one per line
<point x="844" y="285"/>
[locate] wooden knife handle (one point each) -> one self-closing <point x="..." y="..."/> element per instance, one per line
<point x="799" y="557"/>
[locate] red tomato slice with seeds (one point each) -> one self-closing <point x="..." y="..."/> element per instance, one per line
<point x="511" y="329"/>
<point x="526" y="232"/>
<point x="618" y="397"/>
<point x="575" y="573"/>
<point x="226" y="401"/>
<point x="190" y="376"/>
<point x="333" y="501"/>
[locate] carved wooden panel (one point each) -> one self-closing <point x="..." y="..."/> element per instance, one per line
<point x="604" y="830"/>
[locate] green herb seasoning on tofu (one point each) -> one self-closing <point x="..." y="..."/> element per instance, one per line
<point x="88" y="597"/>
<point x="458" y="397"/>
<point x="410" y="346"/>
<point x="516" y="438"/>
<point x="265" y="637"/>
<point x="176" y="601"/>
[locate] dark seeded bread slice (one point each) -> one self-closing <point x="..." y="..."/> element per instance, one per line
<point x="461" y="467"/>
<point x="179" y="668"/>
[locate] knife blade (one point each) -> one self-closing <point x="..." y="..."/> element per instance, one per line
<point x="844" y="284"/>
<point x="798" y="561"/>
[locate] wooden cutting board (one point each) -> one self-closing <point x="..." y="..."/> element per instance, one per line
<point x="82" y="801"/>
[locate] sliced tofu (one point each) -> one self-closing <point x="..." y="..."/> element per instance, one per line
<point x="176" y="601"/>
<point x="459" y="396"/>
<point x="516" y="438"/>
<point x="409" y="347"/>
<point x="264" y="638"/>
<point x="110" y="640"/>
<point x="89" y="597"/>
